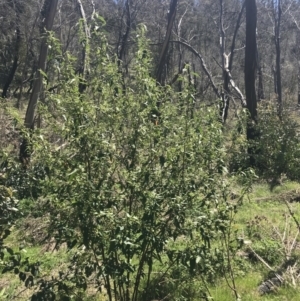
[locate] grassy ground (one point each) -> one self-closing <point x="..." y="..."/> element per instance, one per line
<point x="264" y="216"/>
<point x="50" y="261"/>
<point x="263" y="220"/>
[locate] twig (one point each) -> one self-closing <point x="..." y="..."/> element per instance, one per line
<point x="292" y="214"/>
<point x="262" y="260"/>
<point x="205" y="69"/>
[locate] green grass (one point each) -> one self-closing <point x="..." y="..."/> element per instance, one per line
<point x="247" y="289"/>
<point x="270" y="206"/>
<point x="261" y="202"/>
<point x="51" y="261"/>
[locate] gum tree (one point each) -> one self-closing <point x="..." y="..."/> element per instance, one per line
<point x="250" y="71"/>
<point x="47" y="17"/>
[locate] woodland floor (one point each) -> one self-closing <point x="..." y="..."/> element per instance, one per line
<point x="264" y="216"/>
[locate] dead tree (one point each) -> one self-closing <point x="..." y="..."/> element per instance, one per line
<point x="164" y="50"/>
<point x="47" y="19"/>
<point x="297" y="54"/>
<point x="277" y="18"/>
<point x="123" y="39"/>
<point x="260" y="89"/>
<point x="84" y="68"/>
<point x="227" y="62"/>
<point x="250" y="73"/>
<point x="13" y="69"/>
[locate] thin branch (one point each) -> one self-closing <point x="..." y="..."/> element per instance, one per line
<point x="205" y="69"/>
<point x="85" y="64"/>
<point x="261" y="259"/>
<point x="292" y="214"/>
<point x="236" y="88"/>
<point x="238" y="24"/>
<point x="295" y="22"/>
<point x="164" y="50"/>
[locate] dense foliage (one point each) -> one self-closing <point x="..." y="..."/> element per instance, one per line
<point x="134" y="174"/>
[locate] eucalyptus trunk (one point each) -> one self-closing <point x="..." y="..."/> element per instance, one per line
<point x="278" y="12"/>
<point x="250" y="73"/>
<point x="164" y="49"/>
<point x="17" y="47"/>
<point x="47" y="17"/>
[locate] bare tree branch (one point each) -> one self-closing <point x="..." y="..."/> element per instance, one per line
<point x="205" y="69"/>
<point x="232" y="48"/>
<point x="84" y="63"/>
<point x="164" y="50"/>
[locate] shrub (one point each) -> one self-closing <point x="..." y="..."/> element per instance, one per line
<point x="278" y="145"/>
<point x="135" y="170"/>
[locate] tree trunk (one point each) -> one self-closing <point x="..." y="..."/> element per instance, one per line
<point x="181" y="64"/>
<point x="224" y="61"/>
<point x="47" y="17"/>
<point x="297" y="57"/>
<point x="164" y="50"/>
<point x="277" y="46"/>
<point x="84" y="68"/>
<point x="227" y="62"/>
<point x="14" y="67"/>
<point x="250" y="73"/>
<point x="26" y="67"/>
<point x="125" y="36"/>
<point x="260" y="92"/>
<point x="203" y="65"/>
<point x="250" y="58"/>
<point x="274" y="78"/>
<point x="298" y="83"/>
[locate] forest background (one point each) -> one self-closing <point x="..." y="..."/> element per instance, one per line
<point x="150" y="150"/>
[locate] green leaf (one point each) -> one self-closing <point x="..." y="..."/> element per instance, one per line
<point x="43" y="73"/>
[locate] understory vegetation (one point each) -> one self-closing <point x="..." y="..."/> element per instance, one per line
<point x="136" y="191"/>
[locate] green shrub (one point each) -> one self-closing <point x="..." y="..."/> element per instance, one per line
<point x="8" y="212"/>
<point x="176" y="285"/>
<point x="276" y="149"/>
<point x="238" y="159"/>
<point x="137" y="168"/>
<point x="270" y="250"/>
<point x="278" y="145"/>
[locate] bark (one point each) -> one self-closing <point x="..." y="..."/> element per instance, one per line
<point x="260" y="88"/>
<point x="297" y="55"/>
<point x="298" y="83"/>
<point x="125" y="36"/>
<point x="47" y="17"/>
<point x="238" y="24"/>
<point x="234" y="86"/>
<point x="251" y="58"/>
<point x="274" y="78"/>
<point x="25" y="67"/>
<point x="260" y="92"/>
<point x="164" y="50"/>
<point x="225" y="93"/>
<point x="14" y="66"/>
<point x="227" y="61"/>
<point x="204" y="67"/>
<point x="278" y="55"/>
<point x="250" y="72"/>
<point x="299" y="89"/>
<point x="84" y="68"/>
<point x="180" y="53"/>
